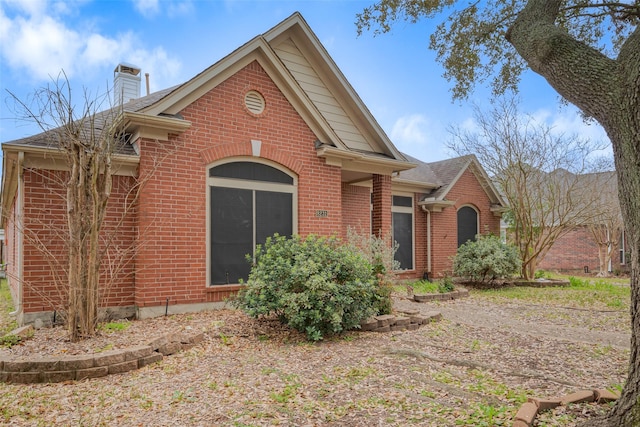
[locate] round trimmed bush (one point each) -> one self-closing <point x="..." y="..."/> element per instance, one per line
<point x="486" y="259"/>
<point x="315" y="284"/>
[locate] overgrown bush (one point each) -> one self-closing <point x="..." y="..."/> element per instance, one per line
<point x="486" y="259"/>
<point x="380" y="252"/>
<point x="315" y="284"/>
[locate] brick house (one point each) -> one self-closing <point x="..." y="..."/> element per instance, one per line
<point x="579" y="250"/>
<point x="271" y="138"/>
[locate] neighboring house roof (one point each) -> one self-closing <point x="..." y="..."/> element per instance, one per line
<point x="443" y="175"/>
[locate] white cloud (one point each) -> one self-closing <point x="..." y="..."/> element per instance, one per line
<point x="410" y="130"/>
<point x="569" y="122"/>
<point x="29" y="7"/>
<point x="38" y="44"/>
<point x="163" y="70"/>
<point x="420" y="137"/>
<point x="147" y="8"/>
<point x="180" y="8"/>
<point x="329" y="42"/>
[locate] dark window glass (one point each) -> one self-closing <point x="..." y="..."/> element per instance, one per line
<point x="402" y="201"/>
<point x="231" y="234"/>
<point x="467" y="225"/>
<point x="241" y="218"/>
<point x="403" y="234"/>
<point x="274" y="214"/>
<point x="250" y="171"/>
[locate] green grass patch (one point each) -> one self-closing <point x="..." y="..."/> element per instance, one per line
<point x="601" y="293"/>
<point x="426" y="287"/>
<point x="115" y="326"/>
<point x="7" y="323"/>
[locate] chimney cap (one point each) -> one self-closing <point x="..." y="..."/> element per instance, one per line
<point x="124" y="67"/>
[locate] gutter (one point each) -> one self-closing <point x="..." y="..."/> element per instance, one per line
<point x="19" y="236"/>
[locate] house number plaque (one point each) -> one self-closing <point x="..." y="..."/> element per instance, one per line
<point x="322" y="214"/>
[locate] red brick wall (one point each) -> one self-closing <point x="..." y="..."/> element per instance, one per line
<point x="173" y="206"/>
<point x="356" y="209"/>
<point x="45" y="253"/>
<point x="444" y="228"/>
<point x="381" y="215"/>
<point x="574" y="251"/>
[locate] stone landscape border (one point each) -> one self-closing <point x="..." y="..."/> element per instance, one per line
<point x="80" y="367"/>
<point x="446" y="296"/>
<point x="529" y="410"/>
<point x="407" y="320"/>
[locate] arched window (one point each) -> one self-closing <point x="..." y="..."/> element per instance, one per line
<point x="248" y="202"/>
<point x="467" y="224"/>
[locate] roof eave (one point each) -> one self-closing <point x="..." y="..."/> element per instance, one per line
<point x="359" y="162"/>
<point x="435" y="205"/>
<point x="143" y="125"/>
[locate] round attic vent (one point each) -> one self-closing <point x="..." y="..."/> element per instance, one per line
<point x="254" y="101"/>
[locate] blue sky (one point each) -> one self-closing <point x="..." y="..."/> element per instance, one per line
<point x="395" y="74"/>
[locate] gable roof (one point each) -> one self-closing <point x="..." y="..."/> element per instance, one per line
<point x="444" y="175"/>
<point x="293" y="57"/>
<point x="295" y="60"/>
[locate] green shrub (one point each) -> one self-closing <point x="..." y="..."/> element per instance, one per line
<point x="445" y="285"/>
<point x="315" y="284"/>
<point x="542" y="274"/>
<point x="380" y="252"/>
<point x="10" y="340"/>
<point x="486" y="259"/>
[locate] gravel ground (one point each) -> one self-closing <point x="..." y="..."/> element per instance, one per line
<point x="475" y="366"/>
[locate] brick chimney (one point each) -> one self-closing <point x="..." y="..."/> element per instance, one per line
<point x="126" y="83"/>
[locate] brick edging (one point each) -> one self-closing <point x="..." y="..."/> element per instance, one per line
<point x="79" y="367"/>
<point x="459" y="293"/>
<point x="529" y="410"/>
<point x="409" y="320"/>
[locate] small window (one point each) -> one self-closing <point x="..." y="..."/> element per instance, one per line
<point x="402" y="201"/>
<point x="254" y="101"/>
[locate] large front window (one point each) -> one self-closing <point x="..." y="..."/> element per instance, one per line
<point x="248" y="202"/>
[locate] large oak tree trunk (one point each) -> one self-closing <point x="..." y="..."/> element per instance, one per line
<point x="609" y="91"/>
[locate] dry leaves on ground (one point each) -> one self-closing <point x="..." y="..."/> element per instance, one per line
<point x="257" y="373"/>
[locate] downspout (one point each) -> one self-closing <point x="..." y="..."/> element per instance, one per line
<point x="19" y="236"/>
<point x="428" y="212"/>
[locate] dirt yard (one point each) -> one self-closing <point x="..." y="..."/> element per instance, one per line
<point x="473" y="368"/>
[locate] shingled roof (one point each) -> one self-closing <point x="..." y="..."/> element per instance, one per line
<point x="445" y="173"/>
<point x="47" y="139"/>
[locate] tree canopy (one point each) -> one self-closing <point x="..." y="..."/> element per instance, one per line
<point x="471" y="40"/>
